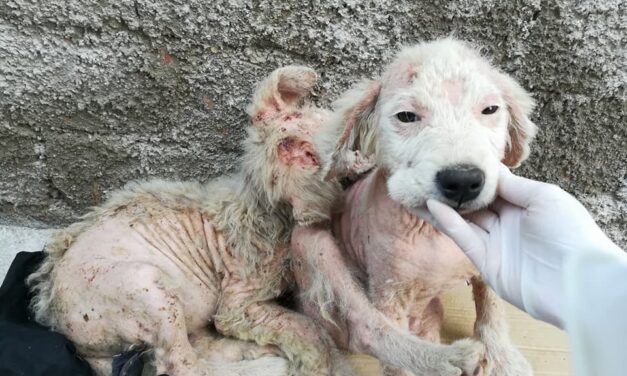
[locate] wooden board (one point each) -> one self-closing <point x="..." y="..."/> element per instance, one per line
<point x="545" y="346"/>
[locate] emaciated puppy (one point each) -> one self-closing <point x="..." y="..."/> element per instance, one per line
<point x="160" y="261"/>
<point x="438" y="123"/>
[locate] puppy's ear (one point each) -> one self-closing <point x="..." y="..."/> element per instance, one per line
<point x="281" y="90"/>
<point x="354" y="122"/>
<point x="521" y="129"/>
<point x="293" y="151"/>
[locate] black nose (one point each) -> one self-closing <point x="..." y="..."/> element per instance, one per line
<point x="460" y="183"/>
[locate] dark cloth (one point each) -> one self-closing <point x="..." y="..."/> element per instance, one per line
<point x="27" y="348"/>
<point x="129" y="363"/>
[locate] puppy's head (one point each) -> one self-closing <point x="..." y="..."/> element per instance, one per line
<point x="440" y="120"/>
<point x="280" y="153"/>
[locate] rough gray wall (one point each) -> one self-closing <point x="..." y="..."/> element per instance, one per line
<point x="95" y="93"/>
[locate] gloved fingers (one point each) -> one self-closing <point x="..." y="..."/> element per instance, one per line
<point x="485" y="219"/>
<point x="468" y="236"/>
<point x="516" y="189"/>
<point x="479" y="256"/>
<point x="499" y="204"/>
<point x="425" y="214"/>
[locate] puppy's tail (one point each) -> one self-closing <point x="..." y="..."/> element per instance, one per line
<point x="265" y="366"/>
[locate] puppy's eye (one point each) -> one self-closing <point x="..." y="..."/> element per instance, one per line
<point x="407" y="117"/>
<point x="490" y="110"/>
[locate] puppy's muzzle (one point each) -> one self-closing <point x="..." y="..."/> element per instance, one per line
<point x="460" y="183"/>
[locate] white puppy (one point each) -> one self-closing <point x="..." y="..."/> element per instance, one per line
<point x="438" y="123"/>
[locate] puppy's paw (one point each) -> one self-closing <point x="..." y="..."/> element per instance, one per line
<point x="467" y="357"/>
<point x="508" y="361"/>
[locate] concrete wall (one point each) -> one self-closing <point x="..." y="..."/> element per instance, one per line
<point x="94" y="93"/>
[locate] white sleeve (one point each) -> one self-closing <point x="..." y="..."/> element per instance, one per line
<point x="596" y="312"/>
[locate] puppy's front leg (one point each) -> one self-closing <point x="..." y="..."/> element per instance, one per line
<point x="397" y="312"/>
<point x="504" y="359"/>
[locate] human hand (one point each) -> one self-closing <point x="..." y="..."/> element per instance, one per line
<point x="522" y="241"/>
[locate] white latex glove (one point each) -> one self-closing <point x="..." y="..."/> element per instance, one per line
<point x="521" y="242"/>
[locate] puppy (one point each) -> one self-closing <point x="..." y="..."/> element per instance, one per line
<point x="438" y="123"/>
<point x="160" y="261"/>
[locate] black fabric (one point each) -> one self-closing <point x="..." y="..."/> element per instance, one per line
<point x="128" y="364"/>
<point x="27" y="348"/>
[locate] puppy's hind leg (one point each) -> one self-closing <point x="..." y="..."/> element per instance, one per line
<point x="143" y="311"/>
<point x="157" y="316"/>
<point x="504" y="359"/>
<point x="426" y="323"/>
<point x="300" y="339"/>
